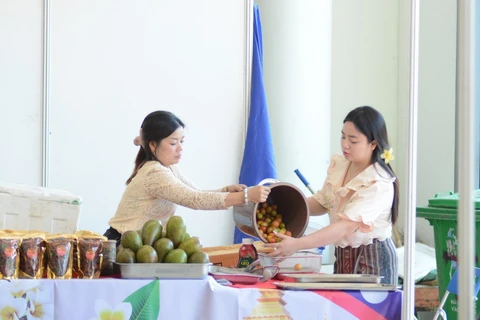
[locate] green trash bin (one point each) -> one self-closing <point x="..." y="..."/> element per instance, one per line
<point x="441" y="213"/>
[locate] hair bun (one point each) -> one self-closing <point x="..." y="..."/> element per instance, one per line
<point x="138" y="141"/>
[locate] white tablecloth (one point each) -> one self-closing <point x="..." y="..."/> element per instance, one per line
<point x="186" y="299"/>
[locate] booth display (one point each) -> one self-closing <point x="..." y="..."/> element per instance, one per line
<point x="187" y="299"/>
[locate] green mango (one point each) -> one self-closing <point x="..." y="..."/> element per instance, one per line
<point x="176" y="256"/>
<point x="131" y="240"/>
<point x="176" y="230"/>
<point x="163" y="246"/>
<point x="191" y="245"/>
<point x="146" y="254"/>
<point x="151" y="231"/>
<point x="126" y="255"/>
<point x="119" y="248"/>
<point x="199" y="257"/>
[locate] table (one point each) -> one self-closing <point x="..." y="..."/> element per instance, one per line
<point x="426" y="298"/>
<point x="187" y="299"/>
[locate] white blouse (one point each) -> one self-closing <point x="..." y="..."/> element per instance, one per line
<point x="367" y="198"/>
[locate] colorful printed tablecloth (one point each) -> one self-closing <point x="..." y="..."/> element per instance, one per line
<point x="185" y="299"/>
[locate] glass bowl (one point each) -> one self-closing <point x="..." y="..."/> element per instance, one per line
<point x="299" y="262"/>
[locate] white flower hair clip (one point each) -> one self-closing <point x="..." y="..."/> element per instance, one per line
<point x="387" y="155"/>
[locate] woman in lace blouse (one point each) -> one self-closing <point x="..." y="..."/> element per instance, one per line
<point x="360" y="194"/>
<point x="156" y="186"/>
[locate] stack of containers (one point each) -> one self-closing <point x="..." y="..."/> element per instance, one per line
<point x="35" y="208"/>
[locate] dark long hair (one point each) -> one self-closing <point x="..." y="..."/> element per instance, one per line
<point x="371" y="123"/>
<point x="155" y="127"/>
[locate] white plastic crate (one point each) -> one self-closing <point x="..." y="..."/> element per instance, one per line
<point x="35" y="208"/>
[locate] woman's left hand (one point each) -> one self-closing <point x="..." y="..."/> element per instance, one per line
<point x="286" y="247"/>
<point x="235" y="187"/>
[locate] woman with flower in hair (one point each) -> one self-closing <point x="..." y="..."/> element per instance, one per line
<point x="360" y="194"/>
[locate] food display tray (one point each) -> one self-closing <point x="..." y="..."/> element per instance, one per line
<point x="335" y="286"/>
<point x="333" y="278"/>
<point x="163" y="270"/>
<point x="233" y="275"/>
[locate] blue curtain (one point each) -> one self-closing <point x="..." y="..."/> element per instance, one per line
<point x="258" y="157"/>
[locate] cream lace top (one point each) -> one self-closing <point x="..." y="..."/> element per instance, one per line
<point x="367" y="198"/>
<point x="155" y="192"/>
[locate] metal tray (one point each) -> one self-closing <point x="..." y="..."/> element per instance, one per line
<point x="163" y="270"/>
<point x="335" y="278"/>
<point x="233" y="275"/>
<point x="220" y="269"/>
<point x="335" y="286"/>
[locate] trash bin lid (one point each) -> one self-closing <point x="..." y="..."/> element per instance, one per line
<point x="450" y="200"/>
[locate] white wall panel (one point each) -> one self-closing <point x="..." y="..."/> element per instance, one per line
<point x="436" y="105"/>
<point x="364" y="63"/>
<point x="113" y="62"/>
<point x="21" y="91"/>
<point x="297" y="50"/>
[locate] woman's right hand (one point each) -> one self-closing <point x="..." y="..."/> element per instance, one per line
<point x="286" y="247"/>
<point x="258" y="194"/>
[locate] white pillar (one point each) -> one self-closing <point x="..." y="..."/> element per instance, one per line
<point x="466" y="134"/>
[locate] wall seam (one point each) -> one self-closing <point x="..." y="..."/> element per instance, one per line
<point x="46" y="96"/>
